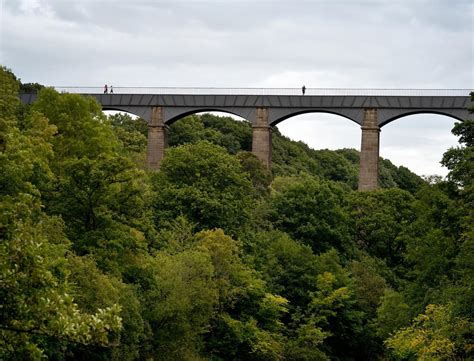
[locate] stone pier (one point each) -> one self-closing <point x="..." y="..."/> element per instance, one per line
<point x="157" y="139"/>
<point x="369" y="151"/>
<point x="262" y="138"/>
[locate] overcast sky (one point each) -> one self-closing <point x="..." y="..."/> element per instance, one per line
<point x="257" y="43"/>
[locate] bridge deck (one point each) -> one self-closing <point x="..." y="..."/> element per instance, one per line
<point x="282" y="103"/>
<point x="265" y="91"/>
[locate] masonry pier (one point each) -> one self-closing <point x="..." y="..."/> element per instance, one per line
<point x="262" y="138"/>
<point x="369" y="151"/>
<point x="157" y="138"/>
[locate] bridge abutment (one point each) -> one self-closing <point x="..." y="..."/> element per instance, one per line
<point x="157" y="139"/>
<point x="369" y="151"/>
<point x="262" y="138"/>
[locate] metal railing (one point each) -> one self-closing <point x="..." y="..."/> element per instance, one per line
<point x="265" y="91"/>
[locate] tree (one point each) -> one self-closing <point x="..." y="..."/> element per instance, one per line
<point x="433" y="242"/>
<point x="368" y="284"/>
<point x="38" y="314"/>
<point x="377" y="220"/>
<point x="93" y="289"/>
<point x="132" y="133"/>
<point x="233" y="135"/>
<point x="439" y="247"/>
<point x="179" y="296"/>
<point x="258" y="174"/>
<point x="392" y="314"/>
<point x="335" y="167"/>
<point x="432" y="256"/>
<point x="31" y="87"/>
<point x="97" y="188"/>
<point x="289" y="267"/>
<point x="434" y="335"/>
<point x="204" y="184"/>
<point x="247" y="324"/>
<point x="460" y="160"/>
<point x="200" y="300"/>
<point x="310" y="210"/>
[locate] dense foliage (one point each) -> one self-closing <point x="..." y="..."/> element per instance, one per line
<point x="289" y="158"/>
<point x="212" y="257"/>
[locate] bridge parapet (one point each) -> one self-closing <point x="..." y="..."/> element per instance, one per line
<point x="265" y="91"/>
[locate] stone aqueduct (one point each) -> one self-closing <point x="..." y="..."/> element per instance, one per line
<point x="264" y="108"/>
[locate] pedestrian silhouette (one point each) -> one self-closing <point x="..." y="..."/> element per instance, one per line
<point x="105" y="89"/>
<point x="111" y="89"/>
<point x="303" y="89"/>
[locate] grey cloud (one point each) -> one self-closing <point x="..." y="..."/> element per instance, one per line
<point x="275" y="36"/>
<point x="373" y="43"/>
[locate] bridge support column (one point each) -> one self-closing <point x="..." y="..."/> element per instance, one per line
<point x="157" y="139"/>
<point x="262" y="138"/>
<point x="369" y="151"/>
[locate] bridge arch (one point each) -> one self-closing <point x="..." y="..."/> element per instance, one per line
<point x="451" y="114"/>
<point x="322" y="130"/>
<point x="293" y="113"/>
<point x="142" y="112"/>
<point x="171" y="117"/>
<point x="418" y="141"/>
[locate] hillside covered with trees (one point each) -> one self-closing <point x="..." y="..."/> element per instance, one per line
<point x="214" y="258"/>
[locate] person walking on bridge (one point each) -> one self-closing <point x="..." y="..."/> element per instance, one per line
<point x="303" y="89"/>
<point x="111" y="89"/>
<point x="105" y="89"/>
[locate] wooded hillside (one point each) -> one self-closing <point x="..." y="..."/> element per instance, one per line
<point x="214" y="258"/>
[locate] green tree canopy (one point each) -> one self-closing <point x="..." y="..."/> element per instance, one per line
<point x="311" y="210"/>
<point x="206" y="185"/>
<point x="37" y="306"/>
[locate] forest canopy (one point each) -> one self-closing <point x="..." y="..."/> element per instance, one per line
<point x="213" y="257"/>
